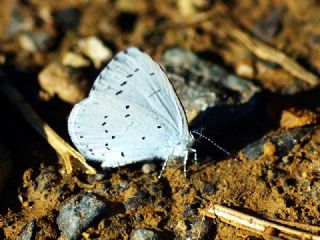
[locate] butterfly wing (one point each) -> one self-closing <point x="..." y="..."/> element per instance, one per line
<point x="133" y="76"/>
<point x="132" y="113"/>
<point x="108" y="131"/>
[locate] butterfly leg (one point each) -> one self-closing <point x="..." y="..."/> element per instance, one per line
<point x="195" y="156"/>
<point x="163" y="167"/>
<point x="185" y="161"/>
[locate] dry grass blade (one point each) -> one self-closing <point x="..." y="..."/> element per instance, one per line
<point x="270" y="54"/>
<point x="62" y="147"/>
<point x="257" y="225"/>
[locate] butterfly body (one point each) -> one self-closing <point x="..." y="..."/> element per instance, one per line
<point x="132" y="114"/>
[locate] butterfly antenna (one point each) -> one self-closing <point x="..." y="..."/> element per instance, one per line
<point x="215" y="144"/>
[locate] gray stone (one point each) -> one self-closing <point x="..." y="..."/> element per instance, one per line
<point x="137" y="200"/>
<point x="143" y="234"/>
<point x="27" y="231"/>
<point x="284" y="143"/>
<point x="67" y="18"/>
<point x="77" y="213"/>
<point x="200" y="228"/>
<point x="201" y="84"/>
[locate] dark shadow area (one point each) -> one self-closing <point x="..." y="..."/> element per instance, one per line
<point x="234" y="127"/>
<point x="231" y="127"/>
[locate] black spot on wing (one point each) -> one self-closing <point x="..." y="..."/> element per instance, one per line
<point x="105" y="117"/>
<point x="143" y="138"/>
<point x="122" y="154"/>
<point x="106" y="131"/>
<point x="127" y="115"/>
<point x="159" y="127"/>
<point x="119" y="92"/>
<point x="104" y="123"/>
<point x="81" y="136"/>
<point x="129" y="76"/>
<point x="136" y="70"/>
<point x="151" y="74"/>
<point x="113" y="137"/>
<point x="106" y="145"/>
<point x="127" y="107"/>
<point x="124" y="83"/>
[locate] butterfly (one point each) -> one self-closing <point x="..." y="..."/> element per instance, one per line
<point x="132" y="114"/>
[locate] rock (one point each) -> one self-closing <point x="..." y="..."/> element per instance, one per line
<point x="26" y="43"/>
<point x="202" y="85"/>
<point x="208" y="189"/>
<point x="67" y="18"/>
<point x="64" y="82"/>
<point x="75" y="60"/>
<point x="34" y="41"/>
<point x="78" y="213"/>
<point x="94" y="49"/>
<point x="200" y="228"/>
<point x="94" y="178"/>
<point x="245" y="68"/>
<point x="148" y="168"/>
<point x="143" y="234"/>
<point x="137" y="200"/>
<point x="284" y="142"/>
<point x="269" y="149"/>
<point x="293" y="118"/>
<point x="27" y="231"/>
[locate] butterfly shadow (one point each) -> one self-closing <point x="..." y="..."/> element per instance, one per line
<point x="230" y="127"/>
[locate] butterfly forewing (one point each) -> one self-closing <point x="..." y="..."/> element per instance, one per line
<point x="132" y="75"/>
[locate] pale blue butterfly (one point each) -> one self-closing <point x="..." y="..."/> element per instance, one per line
<point x="132" y="114"/>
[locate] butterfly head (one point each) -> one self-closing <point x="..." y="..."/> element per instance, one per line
<point x="182" y="148"/>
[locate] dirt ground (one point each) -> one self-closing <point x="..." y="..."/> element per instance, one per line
<point x="275" y="133"/>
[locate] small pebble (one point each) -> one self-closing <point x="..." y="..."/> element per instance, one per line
<point x="27" y="231"/>
<point x="245" y="68"/>
<point x="95" y="178"/>
<point x="269" y="149"/>
<point x="293" y="118"/>
<point x="67" y="18"/>
<point x="26" y="43"/>
<point x="94" y="49"/>
<point x="209" y="188"/>
<point x="67" y="83"/>
<point x="75" y="60"/>
<point x="148" y="168"/>
<point x="143" y="234"/>
<point x="77" y="213"/>
<point x="137" y="200"/>
<point x="200" y="228"/>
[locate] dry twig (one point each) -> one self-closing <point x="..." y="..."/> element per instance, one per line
<point x="271" y="54"/>
<point x="62" y="147"/>
<point x="260" y="226"/>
